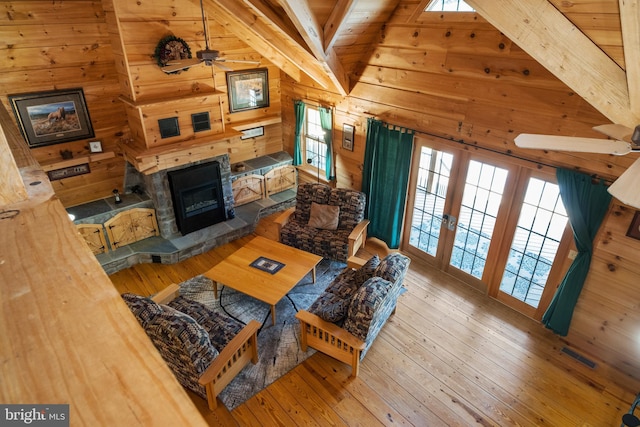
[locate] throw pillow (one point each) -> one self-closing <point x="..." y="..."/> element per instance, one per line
<point x="145" y="309"/>
<point x="333" y="308"/>
<point x="324" y="216"/>
<point x="366" y="271"/>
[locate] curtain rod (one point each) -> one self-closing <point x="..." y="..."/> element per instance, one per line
<point x="507" y="154"/>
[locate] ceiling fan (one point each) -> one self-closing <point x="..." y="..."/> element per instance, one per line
<point x="624" y="141"/>
<point x="207" y="56"/>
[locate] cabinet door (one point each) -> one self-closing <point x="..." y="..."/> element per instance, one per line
<point x="143" y="223"/>
<point x="93" y="234"/>
<point x="119" y="230"/>
<point x="247" y="189"/>
<point x="280" y="179"/>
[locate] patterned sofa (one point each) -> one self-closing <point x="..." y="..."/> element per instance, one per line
<point x="346" y="318"/>
<point x="341" y="229"/>
<point x="204" y="349"/>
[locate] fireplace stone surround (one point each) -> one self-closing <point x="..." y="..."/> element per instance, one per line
<point x="152" y="191"/>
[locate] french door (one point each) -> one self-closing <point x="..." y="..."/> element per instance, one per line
<point x="493" y="224"/>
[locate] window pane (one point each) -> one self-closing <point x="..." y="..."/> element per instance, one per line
<point x="430" y="193"/>
<point x="535" y="244"/>
<point x="448" y="6"/>
<point x="315" y="146"/>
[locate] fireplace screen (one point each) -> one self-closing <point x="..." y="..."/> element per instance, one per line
<point x="197" y="196"/>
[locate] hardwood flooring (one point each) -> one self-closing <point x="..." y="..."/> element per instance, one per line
<point x="449" y="356"/>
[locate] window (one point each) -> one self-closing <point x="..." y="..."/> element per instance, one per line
<point x="535" y="244"/>
<point x="315" y="148"/>
<point x="449" y="6"/>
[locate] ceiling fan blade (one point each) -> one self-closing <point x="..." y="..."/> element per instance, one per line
<point x="181" y="64"/>
<point x="219" y="65"/>
<point x="615" y="131"/>
<point x="625" y="188"/>
<point x="239" y="61"/>
<point x="572" y="143"/>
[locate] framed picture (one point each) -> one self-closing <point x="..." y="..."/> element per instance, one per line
<point x="268" y="265"/>
<point x="634" y="227"/>
<point x="46" y="118"/>
<point x="252" y="133"/>
<point x="248" y="89"/>
<point x="348" y="133"/>
<point x="95" y="147"/>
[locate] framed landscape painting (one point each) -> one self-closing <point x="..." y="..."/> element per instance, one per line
<point x="248" y="89"/>
<point x="46" y="118"/>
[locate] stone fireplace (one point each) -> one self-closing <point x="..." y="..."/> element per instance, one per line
<point x="158" y="187"/>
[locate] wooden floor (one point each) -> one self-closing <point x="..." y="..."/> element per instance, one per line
<point x="449" y="356"/>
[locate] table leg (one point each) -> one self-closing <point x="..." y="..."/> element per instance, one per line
<point x="273" y="315"/>
<point x="313" y="274"/>
<point x="215" y="289"/>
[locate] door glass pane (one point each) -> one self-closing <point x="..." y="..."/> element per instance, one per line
<point x="540" y="227"/>
<point x="480" y="203"/>
<point x="431" y="190"/>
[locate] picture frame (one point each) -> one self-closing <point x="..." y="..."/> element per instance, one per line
<point x="348" y="135"/>
<point x="269" y="265"/>
<point x="248" y="89"/>
<point x="95" y="147"/>
<point x="52" y="117"/>
<point x="634" y="227"/>
<point x="253" y="132"/>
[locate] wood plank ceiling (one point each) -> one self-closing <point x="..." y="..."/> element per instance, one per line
<point x="591" y="46"/>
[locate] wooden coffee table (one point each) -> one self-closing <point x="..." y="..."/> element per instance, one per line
<point x="236" y="271"/>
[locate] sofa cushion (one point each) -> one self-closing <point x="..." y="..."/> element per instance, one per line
<point x="324" y="216"/>
<point x="145" y="309"/>
<point x="366" y="271"/>
<point x="330" y="307"/>
<point x="392" y="267"/>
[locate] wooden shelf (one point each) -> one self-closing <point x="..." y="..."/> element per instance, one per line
<point x="59" y="164"/>
<point x="169" y="99"/>
<point x="248" y="124"/>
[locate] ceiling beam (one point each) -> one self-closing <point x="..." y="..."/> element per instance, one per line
<point x="552" y="40"/>
<point x="630" y="23"/>
<point x="308" y="27"/>
<point x="250" y="25"/>
<point x="337" y="21"/>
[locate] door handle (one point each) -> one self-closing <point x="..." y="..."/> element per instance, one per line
<point x="449" y="221"/>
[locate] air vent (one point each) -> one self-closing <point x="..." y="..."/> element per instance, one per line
<point x="580" y="358"/>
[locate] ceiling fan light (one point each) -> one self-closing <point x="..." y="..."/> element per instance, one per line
<point x="627" y="187"/>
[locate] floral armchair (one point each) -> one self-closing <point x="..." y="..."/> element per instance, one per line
<point x="326" y="222"/>
<point x="204" y="349"/>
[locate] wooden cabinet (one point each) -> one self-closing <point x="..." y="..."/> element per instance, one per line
<point x="280" y="179"/>
<point x="248" y="189"/>
<point x="130" y="226"/>
<point x="93" y="234"/>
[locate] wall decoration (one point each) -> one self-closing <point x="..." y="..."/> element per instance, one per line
<point x="95" y="147"/>
<point x="169" y="127"/>
<point x="201" y="121"/>
<point x="69" y="172"/>
<point x="348" y="133"/>
<point x="634" y="227"/>
<point x="252" y="133"/>
<point x="171" y="48"/>
<point x="52" y="117"/>
<point x="248" y="89"/>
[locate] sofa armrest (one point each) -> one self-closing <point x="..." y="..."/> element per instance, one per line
<point x="330" y="339"/>
<point x="283" y="218"/>
<point x="358" y="237"/>
<point x="241" y="350"/>
<point x="167" y="294"/>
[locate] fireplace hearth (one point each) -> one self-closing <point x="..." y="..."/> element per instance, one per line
<point x="197" y="196"/>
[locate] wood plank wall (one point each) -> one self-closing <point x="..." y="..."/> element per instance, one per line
<point x="59" y="45"/>
<point x="465" y="81"/>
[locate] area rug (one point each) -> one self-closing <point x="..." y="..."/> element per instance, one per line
<point x="278" y="345"/>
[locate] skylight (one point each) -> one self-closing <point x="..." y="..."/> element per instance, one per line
<point x="448" y="6"/>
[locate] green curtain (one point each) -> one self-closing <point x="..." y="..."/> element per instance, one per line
<point x="327" y="126"/>
<point x="299" y="109"/>
<point x="385" y="177"/>
<point x="586" y="204"/>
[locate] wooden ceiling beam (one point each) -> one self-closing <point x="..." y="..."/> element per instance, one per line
<point x="269" y="40"/>
<point x="308" y="27"/>
<point x="336" y="22"/>
<point x="552" y="40"/>
<point x="630" y="23"/>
